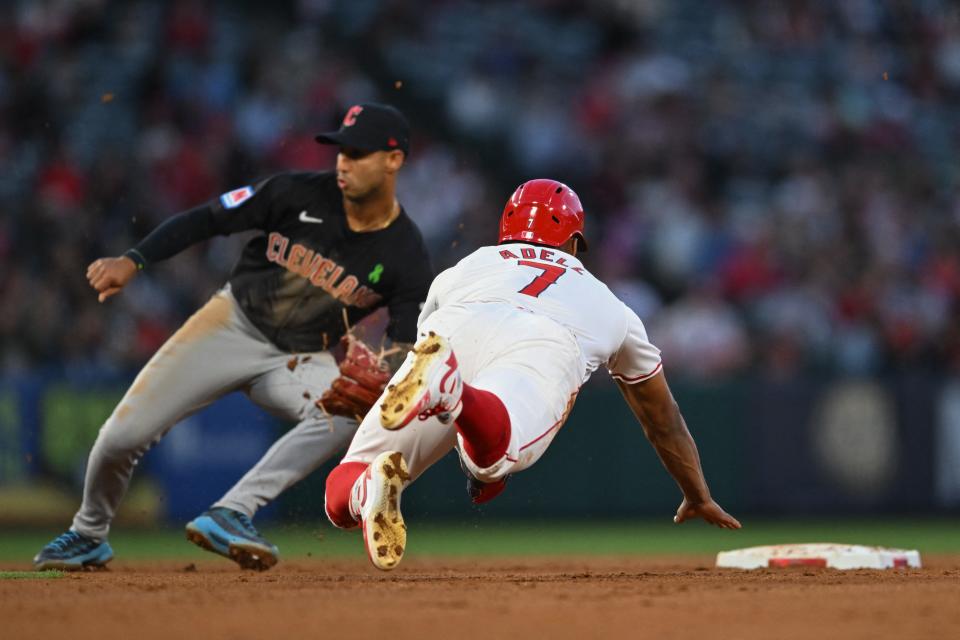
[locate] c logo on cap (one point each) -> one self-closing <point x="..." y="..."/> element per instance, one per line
<point x="351" y="118"/>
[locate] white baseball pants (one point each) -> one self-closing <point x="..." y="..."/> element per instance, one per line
<point x="530" y="362"/>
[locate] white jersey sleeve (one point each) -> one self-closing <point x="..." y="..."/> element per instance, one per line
<point x="637" y="359"/>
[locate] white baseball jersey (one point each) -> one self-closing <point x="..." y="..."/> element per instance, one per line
<point x="528" y="324"/>
<point x="554" y="284"/>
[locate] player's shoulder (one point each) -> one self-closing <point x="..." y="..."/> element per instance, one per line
<point x="603" y="299"/>
<point x="405" y="232"/>
<point x="473" y="260"/>
<point x="613" y="300"/>
<point x="484" y="253"/>
<point x="476" y="259"/>
<point x="405" y="224"/>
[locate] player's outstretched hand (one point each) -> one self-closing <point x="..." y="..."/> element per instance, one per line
<point x="109" y="275"/>
<point x="709" y="511"/>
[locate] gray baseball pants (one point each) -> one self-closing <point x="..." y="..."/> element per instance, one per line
<point x="215" y="352"/>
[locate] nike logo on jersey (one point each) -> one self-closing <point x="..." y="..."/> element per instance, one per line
<point x="305" y="218"/>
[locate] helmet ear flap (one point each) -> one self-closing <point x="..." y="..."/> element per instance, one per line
<point x="581" y="243"/>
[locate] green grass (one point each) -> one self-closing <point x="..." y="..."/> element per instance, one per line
<point x="511" y="538"/>
<point x="31" y="575"/>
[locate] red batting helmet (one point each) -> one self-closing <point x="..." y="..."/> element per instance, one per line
<point x="543" y="212"/>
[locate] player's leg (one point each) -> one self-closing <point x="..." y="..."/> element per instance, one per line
<point x="527" y="418"/>
<point x="213" y="353"/>
<point x="430" y="383"/>
<point x="289" y="391"/>
<point x="518" y="365"/>
<point x="520" y="372"/>
<point x="518" y="399"/>
<point x="365" y="489"/>
<point x="484" y="430"/>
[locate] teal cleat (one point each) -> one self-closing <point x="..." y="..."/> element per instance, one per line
<point x="232" y="535"/>
<point x="72" y="551"/>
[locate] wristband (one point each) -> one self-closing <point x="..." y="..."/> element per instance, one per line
<point x="137" y="258"/>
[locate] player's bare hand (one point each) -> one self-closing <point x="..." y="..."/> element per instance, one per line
<point x="709" y="511"/>
<point x="109" y="275"/>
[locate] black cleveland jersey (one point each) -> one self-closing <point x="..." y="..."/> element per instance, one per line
<point x="294" y="281"/>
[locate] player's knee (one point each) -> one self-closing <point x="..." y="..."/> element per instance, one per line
<point x="118" y="441"/>
<point x="116" y="449"/>
<point x="337" y="495"/>
<point x="490" y="472"/>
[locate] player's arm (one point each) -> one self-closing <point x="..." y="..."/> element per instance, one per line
<point x="638" y="370"/>
<point x="109" y="275"/>
<point x="228" y="214"/>
<point x="658" y="413"/>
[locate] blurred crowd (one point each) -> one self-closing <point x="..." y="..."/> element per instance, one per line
<point x="771" y="186"/>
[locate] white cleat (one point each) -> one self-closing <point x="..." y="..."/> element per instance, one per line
<point x="428" y="384"/>
<point x="376" y="500"/>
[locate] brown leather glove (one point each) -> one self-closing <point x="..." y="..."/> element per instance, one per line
<point x="363" y="375"/>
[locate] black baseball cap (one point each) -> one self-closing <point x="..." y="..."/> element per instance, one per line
<point x="372" y="127"/>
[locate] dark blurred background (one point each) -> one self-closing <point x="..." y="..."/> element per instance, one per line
<point x="772" y="187"/>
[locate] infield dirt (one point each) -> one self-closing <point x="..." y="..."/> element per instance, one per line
<point x="636" y="597"/>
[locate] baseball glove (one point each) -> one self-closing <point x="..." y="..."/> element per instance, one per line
<point x="363" y="375"/>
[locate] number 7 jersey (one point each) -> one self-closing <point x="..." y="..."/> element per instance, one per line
<point x="551" y="283"/>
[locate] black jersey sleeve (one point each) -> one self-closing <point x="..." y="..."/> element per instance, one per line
<point x="173" y="236"/>
<point x="407" y="300"/>
<point x="237" y="210"/>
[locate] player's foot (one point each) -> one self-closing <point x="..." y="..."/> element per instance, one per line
<point x="232" y="535"/>
<point x="428" y="384"/>
<point x="482" y="492"/>
<point x="72" y="551"/>
<point x="376" y="498"/>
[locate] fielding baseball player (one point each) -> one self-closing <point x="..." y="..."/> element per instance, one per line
<point x="334" y="245"/>
<point x="507" y="338"/>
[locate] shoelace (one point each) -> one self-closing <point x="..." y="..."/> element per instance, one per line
<point x="67" y="539"/>
<point x="432" y="411"/>
<point x="247" y="525"/>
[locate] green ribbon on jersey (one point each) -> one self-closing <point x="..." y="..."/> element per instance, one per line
<point x="374" y="275"/>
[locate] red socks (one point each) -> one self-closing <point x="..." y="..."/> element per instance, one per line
<point x="339" y="484"/>
<point x="484" y="425"/>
